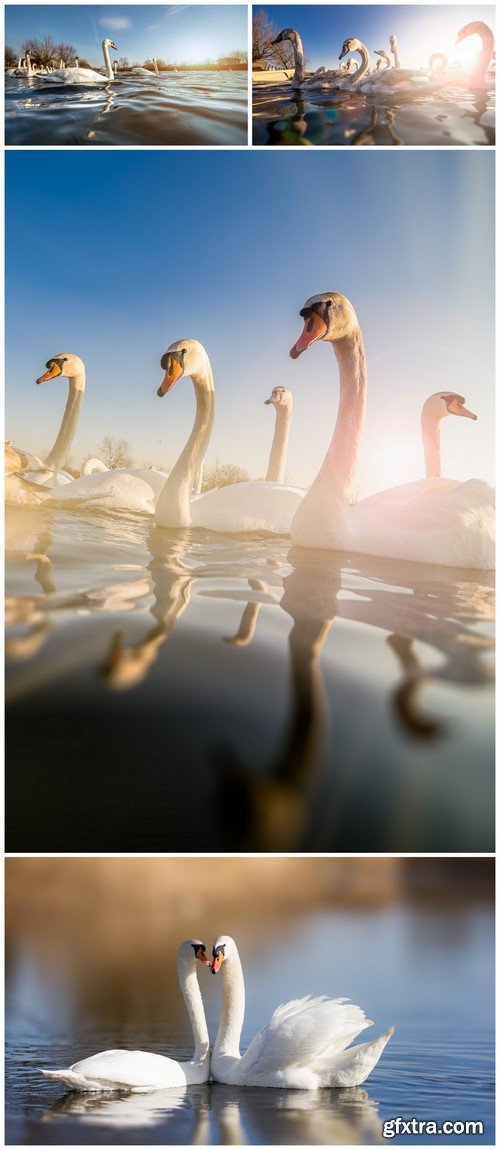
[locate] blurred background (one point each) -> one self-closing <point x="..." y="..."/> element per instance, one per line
<point x="91" y="951"/>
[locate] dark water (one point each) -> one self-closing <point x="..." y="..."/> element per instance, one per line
<point x="172" y="690"/>
<point x="430" y="971"/>
<point x="187" y="108"/>
<point x="282" y="117"/>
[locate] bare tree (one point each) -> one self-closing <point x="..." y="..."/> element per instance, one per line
<point x="122" y="62"/>
<point x="264" y="31"/>
<point x="222" y="474"/>
<point x="66" y="52"/>
<point x="43" y="51"/>
<point x="115" y="452"/>
<point x="10" y="57"/>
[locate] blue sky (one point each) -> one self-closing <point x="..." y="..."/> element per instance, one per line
<point x="113" y="256"/>
<point x="173" y="32"/>
<point x="420" y="30"/>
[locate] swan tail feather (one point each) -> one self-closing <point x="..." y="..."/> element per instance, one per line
<point x="352" y="1066"/>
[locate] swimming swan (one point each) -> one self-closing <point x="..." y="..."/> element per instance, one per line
<point x="303" y="1046"/>
<point x="239" y="507"/>
<point x="299" y="79"/>
<point x="477" y="77"/>
<point x="50" y="471"/>
<point x="85" y="75"/>
<point x="137" y="1071"/>
<point x="437" y="521"/>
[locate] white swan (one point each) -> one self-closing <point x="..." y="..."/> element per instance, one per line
<point x="394" y="49"/>
<point x="27" y="70"/>
<point x="282" y="401"/>
<point x="439" y="521"/>
<point x="299" y="79"/>
<point x="384" y="59"/>
<point x="387" y="83"/>
<point x="239" y="507"/>
<point x="303" y="1046"/>
<point x="85" y="75"/>
<point x="50" y="472"/>
<point x="137" y="1071"/>
<point x="478" y="76"/>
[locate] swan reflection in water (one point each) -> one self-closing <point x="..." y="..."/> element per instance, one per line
<point x="364" y="698"/>
<point x="214" y="1114"/>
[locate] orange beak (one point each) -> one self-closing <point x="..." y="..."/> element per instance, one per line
<point x="216" y="964"/>
<point x="314" y="329"/>
<point x="50" y="374"/>
<point x="169" y="378"/>
<point x="203" y="958"/>
<point x="461" y="410"/>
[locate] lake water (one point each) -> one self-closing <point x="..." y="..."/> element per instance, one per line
<point x="183" y="108"/>
<point x="429" y="970"/>
<point x="187" y="691"/>
<point x="281" y="116"/>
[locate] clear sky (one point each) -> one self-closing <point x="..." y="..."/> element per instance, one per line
<point x="172" y="32"/>
<point x="420" y="29"/>
<point x="114" y="255"/>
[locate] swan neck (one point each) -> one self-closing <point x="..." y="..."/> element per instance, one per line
<point x="107" y="62"/>
<point x="364" y="66"/>
<point x="339" y="466"/>
<point x="277" y="458"/>
<point x="298" y="56"/>
<point x="173" y="509"/>
<point x="232" y="1009"/>
<point x="58" y="456"/>
<point x="480" y="69"/>
<point x="431" y="435"/>
<point x="194" y="1005"/>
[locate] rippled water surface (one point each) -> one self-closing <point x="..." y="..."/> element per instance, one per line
<point x="433" y="977"/>
<point x="172" y="690"/>
<point x="281" y="116"/>
<point x="188" y="108"/>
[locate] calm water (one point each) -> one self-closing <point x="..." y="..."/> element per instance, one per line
<point x="431" y="973"/>
<point x="280" y="116"/>
<point x="177" y="108"/>
<point x="176" y="690"/>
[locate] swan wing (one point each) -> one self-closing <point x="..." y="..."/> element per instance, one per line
<point x="351" y="1067"/>
<point x="300" y="1032"/>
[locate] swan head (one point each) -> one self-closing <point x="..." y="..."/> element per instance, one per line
<point x="328" y="316"/>
<point x="393" y="42"/>
<point x="223" y="950"/>
<point x="65" y="364"/>
<point x="184" y="357"/>
<point x="280" y="397"/>
<point x="286" y="34"/>
<point x="351" y="45"/>
<point x="446" y="403"/>
<point x="109" y="44"/>
<point x="190" y="951"/>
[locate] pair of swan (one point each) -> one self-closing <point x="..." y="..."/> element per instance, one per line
<point x="303" y="1047"/>
<point x="77" y="75"/>
<point x="434" y="520"/>
<point x="239" y="507"/>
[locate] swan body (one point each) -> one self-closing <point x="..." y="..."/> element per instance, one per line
<point x="137" y="1071"/>
<point x="303" y="1046"/>
<point x="237" y="508"/>
<point x="478" y="76"/>
<point x="434" y="521"/>
<point x="79" y="75"/>
<point x="133" y="489"/>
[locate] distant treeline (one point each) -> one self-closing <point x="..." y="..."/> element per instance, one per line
<point x="47" y="53"/>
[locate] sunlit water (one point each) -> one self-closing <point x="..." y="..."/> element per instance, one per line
<point x="281" y="116"/>
<point x="176" y="108"/>
<point x="429" y="970"/>
<point x="177" y="690"/>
